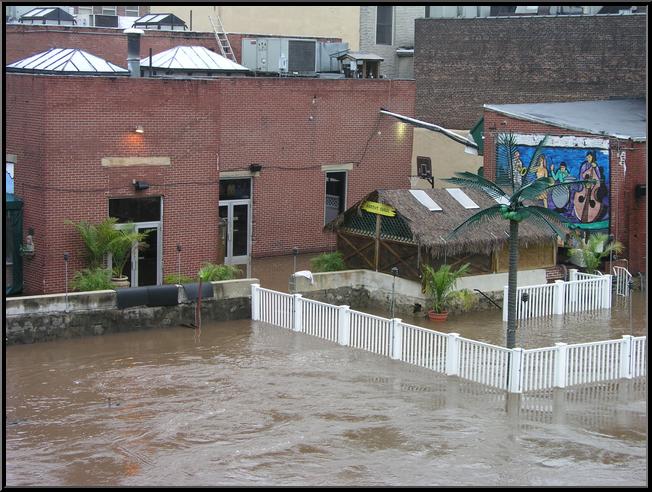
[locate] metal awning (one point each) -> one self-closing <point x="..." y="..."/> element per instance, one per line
<point x="66" y="60"/>
<point x="429" y="126"/>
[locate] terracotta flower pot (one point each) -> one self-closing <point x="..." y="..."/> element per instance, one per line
<point x="437" y="317"/>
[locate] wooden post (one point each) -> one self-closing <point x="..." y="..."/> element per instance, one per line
<point x="377" y="259"/>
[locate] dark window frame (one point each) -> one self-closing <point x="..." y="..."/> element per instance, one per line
<point x="383" y="27"/>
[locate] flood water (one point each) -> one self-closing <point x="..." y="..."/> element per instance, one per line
<point x="246" y="403"/>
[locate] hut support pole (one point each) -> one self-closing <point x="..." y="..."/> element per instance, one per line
<point x="377" y="259"/>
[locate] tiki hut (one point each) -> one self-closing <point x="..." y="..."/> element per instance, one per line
<point x="369" y="236"/>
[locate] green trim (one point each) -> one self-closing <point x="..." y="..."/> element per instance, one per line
<point x="476" y="132"/>
<point x="589" y="227"/>
<point x="14" y="221"/>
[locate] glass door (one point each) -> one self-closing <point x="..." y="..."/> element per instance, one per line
<point x="147" y="259"/>
<point x="236" y="236"/>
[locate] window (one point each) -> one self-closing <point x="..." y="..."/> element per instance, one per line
<point x="109" y="10"/>
<point x="384" y="24"/>
<point x="135" y="209"/>
<point x="235" y="189"/>
<point x="335" y="195"/>
<point x="132" y="11"/>
<point x="424" y="166"/>
<point x="85" y="10"/>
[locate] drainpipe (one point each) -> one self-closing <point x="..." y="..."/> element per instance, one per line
<point x="133" y="50"/>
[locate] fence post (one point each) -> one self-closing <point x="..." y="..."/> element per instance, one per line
<point x="561" y="365"/>
<point x="572" y="274"/>
<point x="255" y="302"/>
<point x="344" y="325"/>
<point x="397" y="338"/>
<point x="516" y="359"/>
<point x="626" y="357"/>
<point x="505" y="293"/>
<point x="559" y="297"/>
<point x="297" y="312"/>
<point x="606" y="292"/>
<point x="452" y="354"/>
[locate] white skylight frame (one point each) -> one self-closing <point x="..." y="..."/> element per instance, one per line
<point x="424" y="199"/>
<point x="462" y="198"/>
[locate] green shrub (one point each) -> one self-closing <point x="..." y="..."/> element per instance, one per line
<point x="92" y="279"/>
<point x="328" y="262"/>
<point x="210" y="272"/>
<point x="178" y="279"/>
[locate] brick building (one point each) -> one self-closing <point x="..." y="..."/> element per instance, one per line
<point x="462" y="63"/>
<point x="615" y="132"/>
<point x="110" y="44"/>
<point x="75" y="156"/>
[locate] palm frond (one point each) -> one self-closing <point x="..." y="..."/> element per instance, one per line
<point x="537" y="153"/>
<point x="506" y="151"/>
<point x="478" y="219"/>
<point x="465" y="178"/>
<point x="542" y="215"/>
<point x="535" y="188"/>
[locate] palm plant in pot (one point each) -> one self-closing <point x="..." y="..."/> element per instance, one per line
<point x="120" y="247"/>
<point x="439" y="287"/>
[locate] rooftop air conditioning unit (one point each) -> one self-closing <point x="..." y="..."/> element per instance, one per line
<point x="85" y="20"/>
<point x="100" y="20"/>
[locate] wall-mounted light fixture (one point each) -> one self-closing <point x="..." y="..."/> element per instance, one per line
<point x="140" y="185"/>
<point x="255" y="168"/>
<point x="139" y="129"/>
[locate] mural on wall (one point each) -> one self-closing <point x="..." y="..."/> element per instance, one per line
<point x="568" y="159"/>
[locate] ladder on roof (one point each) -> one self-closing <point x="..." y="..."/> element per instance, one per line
<point x="222" y="38"/>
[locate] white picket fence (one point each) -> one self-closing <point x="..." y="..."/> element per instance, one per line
<point x="515" y="370"/>
<point x="582" y="292"/>
<point x="623" y="278"/>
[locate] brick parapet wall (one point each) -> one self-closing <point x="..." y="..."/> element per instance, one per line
<point x="628" y="214"/>
<point x="461" y="64"/>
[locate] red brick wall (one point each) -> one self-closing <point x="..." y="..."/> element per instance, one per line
<point x="628" y="214"/>
<point x="60" y="127"/>
<point x="110" y="44"/>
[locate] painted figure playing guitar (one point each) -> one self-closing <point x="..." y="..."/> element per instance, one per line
<point x="587" y="202"/>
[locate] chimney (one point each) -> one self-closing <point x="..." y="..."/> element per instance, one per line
<point x="133" y="50"/>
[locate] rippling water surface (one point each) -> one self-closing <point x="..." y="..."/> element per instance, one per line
<point x="250" y="404"/>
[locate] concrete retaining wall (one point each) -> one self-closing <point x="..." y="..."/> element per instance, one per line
<point x="40" y="318"/>
<point x="366" y="288"/>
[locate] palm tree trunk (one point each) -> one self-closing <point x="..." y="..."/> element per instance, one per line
<point x="511" y="284"/>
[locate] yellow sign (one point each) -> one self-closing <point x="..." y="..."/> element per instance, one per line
<point x="379" y="208"/>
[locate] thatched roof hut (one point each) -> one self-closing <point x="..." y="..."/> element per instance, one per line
<point x="418" y="226"/>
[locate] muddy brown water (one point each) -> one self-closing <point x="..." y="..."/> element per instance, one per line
<point x="246" y="403"/>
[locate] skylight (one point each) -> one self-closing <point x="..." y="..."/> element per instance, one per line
<point x="425" y="200"/>
<point x="462" y="198"/>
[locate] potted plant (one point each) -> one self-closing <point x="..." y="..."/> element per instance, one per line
<point x="439" y="287"/>
<point x="120" y="246"/>
<point x="590" y="253"/>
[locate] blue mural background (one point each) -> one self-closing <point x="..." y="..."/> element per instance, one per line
<point x="594" y="208"/>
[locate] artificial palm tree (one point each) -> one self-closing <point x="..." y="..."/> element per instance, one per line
<point x="512" y="207"/>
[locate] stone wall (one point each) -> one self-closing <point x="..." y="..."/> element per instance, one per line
<point x="42" y="318"/>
